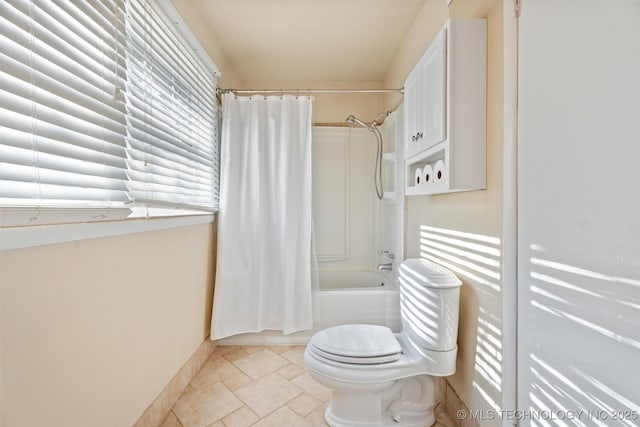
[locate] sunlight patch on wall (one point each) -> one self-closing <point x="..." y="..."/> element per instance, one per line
<point x="474" y="256"/>
<point x="556" y="295"/>
<point x="560" y="389"/>
<point x="485" y="396"/>
<point x="488" y="359"/>
<point x="489" y="352"/>
<point x="583" y="272"/>
<point x="580" y="317"/>
<point x="476" y="260"/>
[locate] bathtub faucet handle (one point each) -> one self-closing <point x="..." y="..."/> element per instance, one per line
<point x="388" y="266"/>
<point x="387" y="254"/>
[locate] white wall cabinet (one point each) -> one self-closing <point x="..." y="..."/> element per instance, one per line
<point x="425" y="93"/>
<point x="445" y="112"/>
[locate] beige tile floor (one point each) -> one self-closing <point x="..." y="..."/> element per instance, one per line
<point x="255" y="386"/>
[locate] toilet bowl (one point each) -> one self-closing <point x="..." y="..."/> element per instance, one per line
<point x="378" y="378"/>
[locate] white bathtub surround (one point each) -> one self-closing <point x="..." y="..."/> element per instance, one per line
<point x="344" y="200"/>
<point x="263" y="278"/>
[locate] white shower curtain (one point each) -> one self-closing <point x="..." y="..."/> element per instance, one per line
<point x="263" y="273"/>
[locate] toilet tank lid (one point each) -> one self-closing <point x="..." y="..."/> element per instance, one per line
<point x="428" y="274"/>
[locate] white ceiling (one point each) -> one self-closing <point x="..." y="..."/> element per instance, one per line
<point x="302" y="40"/>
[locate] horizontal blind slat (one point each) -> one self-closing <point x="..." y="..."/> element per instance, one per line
<point x="57" y="126"/>
<point x="48" y="103"/>
<point x="24" y="141"/>
<point x="19" y="132"/>
<point x="24" y="158"/>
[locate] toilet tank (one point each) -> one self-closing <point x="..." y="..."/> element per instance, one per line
<point x="429" y="299"/>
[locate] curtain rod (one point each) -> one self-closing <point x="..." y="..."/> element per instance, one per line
<point x="306" y="91"/>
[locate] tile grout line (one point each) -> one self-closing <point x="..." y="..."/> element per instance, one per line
<point x="284" y="404"/>
<point x="244" y="405"/>
<point x="176" y="415"/>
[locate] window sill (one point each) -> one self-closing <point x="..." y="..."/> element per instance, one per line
<point x="25" y="237"/>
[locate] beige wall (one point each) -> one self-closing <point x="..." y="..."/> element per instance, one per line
<point x="92" y="331"/>
<point x="199" y="28"/>
<point x="472" y="219"/>
<point x="428" y="23"/>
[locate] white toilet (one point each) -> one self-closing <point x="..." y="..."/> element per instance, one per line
<point x="378" y="378"/>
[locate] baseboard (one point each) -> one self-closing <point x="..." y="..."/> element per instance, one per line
<point x="158" y="410"/>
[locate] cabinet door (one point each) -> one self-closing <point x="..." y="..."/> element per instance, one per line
<point x="432" y="72"/>
<point x="413" y="101"/>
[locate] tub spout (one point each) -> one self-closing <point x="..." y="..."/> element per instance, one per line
<point x="388" y="266"/>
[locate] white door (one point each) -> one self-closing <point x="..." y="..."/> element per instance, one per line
<point x="579" y="212"/>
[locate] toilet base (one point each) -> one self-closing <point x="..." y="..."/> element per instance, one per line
<point x="407" y="402"/>
<point x="423" y="420"/>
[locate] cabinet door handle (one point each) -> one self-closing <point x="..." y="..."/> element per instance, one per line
<point x="413" y="138"/>
<point x="419" y="136"/>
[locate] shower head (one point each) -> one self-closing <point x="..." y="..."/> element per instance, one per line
<point x="354" y="121"/>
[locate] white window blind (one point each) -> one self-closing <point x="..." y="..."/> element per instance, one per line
<point x="62" y="131"/>
<point x="172" y="148"/>
<point x="101" y="107"/>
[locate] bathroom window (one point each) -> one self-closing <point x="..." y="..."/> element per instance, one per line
<point x="172" y="125"/>
<point x="105" y="113"/>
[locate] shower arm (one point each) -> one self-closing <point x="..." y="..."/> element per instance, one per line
<point x="375" y="120"/>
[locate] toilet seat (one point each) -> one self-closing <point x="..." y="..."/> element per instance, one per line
<point x="374" y="360"/>
<point x="357" y="344"/>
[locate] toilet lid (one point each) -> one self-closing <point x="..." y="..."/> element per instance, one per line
<point x="361" y="344"/>
<point x="375" y="360"/>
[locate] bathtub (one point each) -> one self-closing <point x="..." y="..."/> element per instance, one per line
<point x="343" y="297"/>
<point x="353" y="279"/>
<point x="356" y="297"/>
